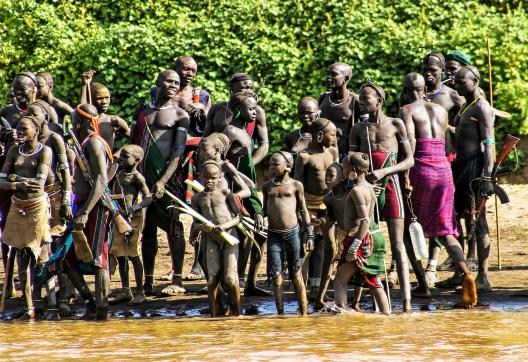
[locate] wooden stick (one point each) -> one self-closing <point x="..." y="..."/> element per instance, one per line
<point x="496" y="198"/>
<point x="7" y="277"/>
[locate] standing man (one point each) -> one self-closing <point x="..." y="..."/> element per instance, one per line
<point x="91" y="219"/>
<point x="382" y="137"/>
<point x="475" y="157"/>
<point x="299" y="139"/>
<point x="430" y="181"/>
<point x="109" y="124"/>
<point x="221" y="114"/>
<point x="339" y="104"/>
<point x="45" y="87"/>
<point x="433" y="71"/>
<point x="161" y="130"/>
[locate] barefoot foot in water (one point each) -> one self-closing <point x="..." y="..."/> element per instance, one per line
<point x="421" y="292"/>
<point x="483" y="284"/>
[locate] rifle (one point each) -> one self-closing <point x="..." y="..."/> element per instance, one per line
<point x="106" y="199"/>
<point x="509" y="144"/>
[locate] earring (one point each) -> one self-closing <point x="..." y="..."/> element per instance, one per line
<point x="320" y="137"/>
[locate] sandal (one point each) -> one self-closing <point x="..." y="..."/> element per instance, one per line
<point x="139" y="298"/>
<point x="447" y="265"/>
<point x="167" y="277"/>
<point x="125" y="296"/>
<point x="194" y="276"/>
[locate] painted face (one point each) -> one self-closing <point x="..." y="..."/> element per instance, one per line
<point x="126" y="160"/>
<point x="464" y="83"/>
<point x="432" y="74"/>
<point x="277" y="165"/>
<point x="43" y="87"/>
<point x="245" y="86"/>
<point x="24" y="89"/>
<point x="169" y="85"/>
<point x="307" y="112"/>
<point x="368" y="100"/>
<point x="102" y="99"/>
<point x="335" y="77"/>
<point x="211" y="176"/>
<point x="26" y="130"/>
<point x="248" y="110"/>
<point x="37" y="112"/>
<point x="187" y="71"/>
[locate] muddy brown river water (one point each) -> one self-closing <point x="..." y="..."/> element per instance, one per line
<point x="439" y="335"/>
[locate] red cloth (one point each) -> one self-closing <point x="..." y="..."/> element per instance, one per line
<point x="391" y="205"/>
<point x="433" y="195"/>
<point x="364" y="251"/>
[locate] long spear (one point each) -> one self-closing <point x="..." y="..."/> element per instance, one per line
<point x="496" y="199"/>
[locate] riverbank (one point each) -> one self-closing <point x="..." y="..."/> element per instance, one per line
<point x="510" y="284"/>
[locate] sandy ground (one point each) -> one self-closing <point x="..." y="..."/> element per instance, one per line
<point x="510" y="282"/>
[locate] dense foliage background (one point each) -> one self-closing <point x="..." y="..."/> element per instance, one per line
<point x="286" y="43"/>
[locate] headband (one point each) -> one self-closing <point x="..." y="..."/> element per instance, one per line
<point x="239" y="77"/>
<point x="471" y="70"/>
<point x="211" y="162"/>
<point x="284" y="155"/>
<point x="319" y="125"/>
<point x="94" y="120"/>
<point x="379" y="91"/>
<point x="435" y="59"/>
<point x="28" y="75"/>
<point x="32" y="119"/>
<point x="37" y="103"/>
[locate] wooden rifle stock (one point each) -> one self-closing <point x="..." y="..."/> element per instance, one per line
<point x="122" y="226"/>
<point x="510" y="142"/>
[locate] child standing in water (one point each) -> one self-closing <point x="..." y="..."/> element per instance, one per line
<point x="283" y="197"/>
<point x="130" y="183"/>
<point x="217" y="204"/>
<point x="363" y="255"/>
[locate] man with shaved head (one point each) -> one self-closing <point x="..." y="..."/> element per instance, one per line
<point x="339" y="104"/>
<point x="109" y="124"/>
<point x="161" y="130"/>
<point x="475" y="158"/>
<point x="45" y="89"/>
<point x="385" y="140"/>
<point x="430" y="181"/>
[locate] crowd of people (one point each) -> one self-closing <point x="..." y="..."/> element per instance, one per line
<point x="72" y="203"/>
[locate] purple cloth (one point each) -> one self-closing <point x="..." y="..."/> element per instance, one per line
<point x="433" y="195"/>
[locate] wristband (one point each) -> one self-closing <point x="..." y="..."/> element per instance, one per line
<point x="488" y="141"/>
<point x="13" y="186"/>
<point x="354" y="247"/>
<point x="67" y="198"/>
<point x="3" y="175"/>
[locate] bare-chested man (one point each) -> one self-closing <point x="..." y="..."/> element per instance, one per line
<point x="454" y="61"/>
<point x="161" y="129"/>
<point x="310" y="169"/>
<point x="430" y="181"/>
<point x="299" y="139"/>
<point x="92" y="219"/>
<point x="475" y="157"/>
<point x="221" y="114"/>
<point x="25" y="171"/>
<point x="283" y="199"/>
<point x="45" y="86"/>
<point x="433" y="67"/>
<point x="217" y="203"/>
<point x="245" y="109"/>
<point x="382" y="137"/>
<point x="363" y="255"/>
<point x="339" y="104"/>
<point x="110" y="125"/>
